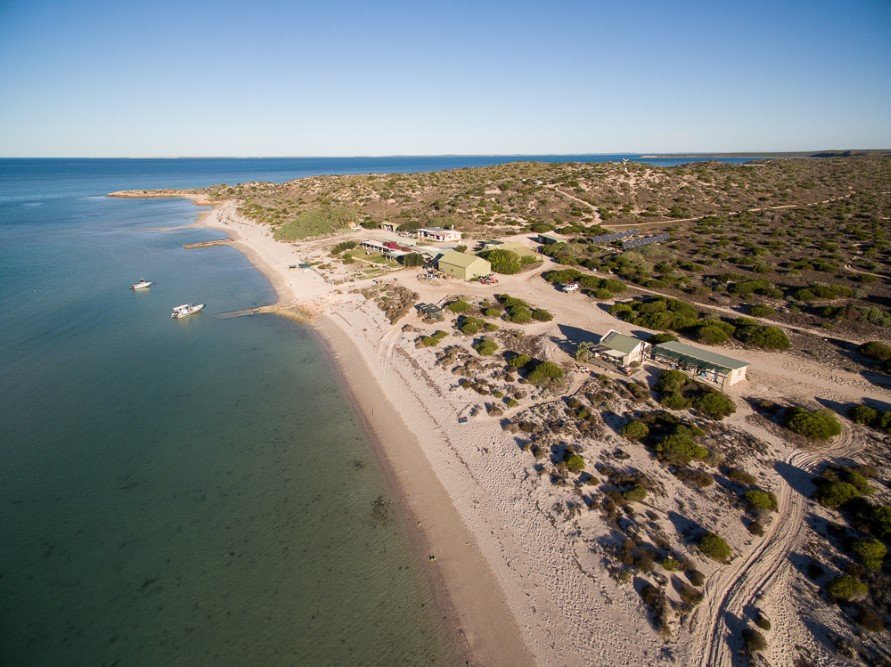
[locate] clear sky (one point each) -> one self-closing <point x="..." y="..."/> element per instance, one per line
<point x="128" y="78"/>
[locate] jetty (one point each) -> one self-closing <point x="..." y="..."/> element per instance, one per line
<point x="207" y="244"/>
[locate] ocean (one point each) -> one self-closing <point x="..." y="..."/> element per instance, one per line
<point x="189" y="491"/>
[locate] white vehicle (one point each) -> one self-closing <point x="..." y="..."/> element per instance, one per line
<point x="569" y="287"/>
<point x="141" y="284"/>
<point x="185" y="310"/>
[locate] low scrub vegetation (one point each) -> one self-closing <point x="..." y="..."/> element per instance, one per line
<point x="503" y="261"/>
<point x="715" y="547"/>
<point x="433" y="339"/>
<point x="600" y="288"/>
<point x="485" y="347"/>
<point x="674" y="315"/>
<point x="812" y="424"/>
<point x="545" y="374"/>
<point x="679" y="391"/>
<point x="315" y="222"/>
<point x="880" y="420"/>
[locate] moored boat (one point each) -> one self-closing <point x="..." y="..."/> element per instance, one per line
<point x="142" y="283"/>
<point x="185" y="310"/>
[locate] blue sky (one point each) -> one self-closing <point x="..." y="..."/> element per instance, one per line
<point x="299" y="78"/>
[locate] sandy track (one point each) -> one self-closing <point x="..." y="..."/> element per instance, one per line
<point x="730" y="593"/>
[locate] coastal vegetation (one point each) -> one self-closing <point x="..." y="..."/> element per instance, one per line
<point x="669" y="314"/>
<point x="812" y="424"/>
<point x="313" y="222"/>
<point x="680" y="391"/>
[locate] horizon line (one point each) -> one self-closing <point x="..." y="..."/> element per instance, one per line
<point x="431" y="155"/>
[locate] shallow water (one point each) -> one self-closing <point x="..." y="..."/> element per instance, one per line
<point x="194" y="490"/>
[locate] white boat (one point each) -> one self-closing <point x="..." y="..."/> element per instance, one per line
<point x="142" y="284"/>
<point x="185" y="310"/>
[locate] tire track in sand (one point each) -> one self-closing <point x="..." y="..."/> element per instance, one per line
<point x="730" y="592"/>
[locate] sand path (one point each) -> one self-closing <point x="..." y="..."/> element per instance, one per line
<point x="730" y="593"/>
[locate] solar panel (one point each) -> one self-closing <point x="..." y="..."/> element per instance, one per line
<point x="645" y="240"/>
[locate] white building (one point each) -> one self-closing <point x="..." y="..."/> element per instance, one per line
<point x="701" y="364"/>
<point x="438" y="234"/>
<point x="622" y="349"/>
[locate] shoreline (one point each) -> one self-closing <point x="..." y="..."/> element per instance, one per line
<point x="518" y="569"/>
<point x="479" y="624"/>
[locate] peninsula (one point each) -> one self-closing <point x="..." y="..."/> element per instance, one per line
<point x="637" y="414"/>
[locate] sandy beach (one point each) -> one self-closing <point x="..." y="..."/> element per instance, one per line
<point x="468" y="592"/>
<point x="520" y="582"/>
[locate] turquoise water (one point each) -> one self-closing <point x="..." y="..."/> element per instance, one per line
<point x="181" y="491"/>
<point x="195" y="491"/>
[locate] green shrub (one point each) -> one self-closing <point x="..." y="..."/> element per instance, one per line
<point x="584" y="352"/>
<point x="813" y="424"/>
<point x="562" y="276"/>
<point x="761" y="500"/>
<point x="485" y="347"/>
<point x="715" y="547"/>
<point x="671" y="382"/>
<point x="762" y="621"/>
<point x="759" y="310"/>
<point x="740" y="476"/>
<point x="693" y="478"/>
<point x="412" y="259"/>
<point x="545" y="374"/>
<point x="847" y="588"/>
<point x="765" y="337"/>
<point x="503" y="261"/>
<point x="574" y="463"/>
<point x="835" y="494"/>
<point x="689" y="594"/>
<point x="519" y="360"/>
<point x="541" y="315"/>
<point x="671" y="564"/>
<point x="658" y="338"/>
<point x="876" y="349"/>
<point x="511" y="402"/>
<point x="879" y="520"/>
<point x="859" y="481"/>
<point x="714" y="404"/>
<point x="518" y="315"/>
<point x="342" y="246"/>
<point x="870" y="552"/>
<point x="710" y="335"/>
<point x="434" y="339"/>
<point x="470" y="326"/>
<point x="635" y="430"/>
<point x="635" y="494"/>
<point x="459" y="306"/>
<point x="322" y="220"/>
<point x="679" y="448"/>
<point x="675" y="401"/>
<point x="863" y="414"/>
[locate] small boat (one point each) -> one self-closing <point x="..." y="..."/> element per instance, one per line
<point x="185" y="310"/>
<point x="142" y="284"/>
